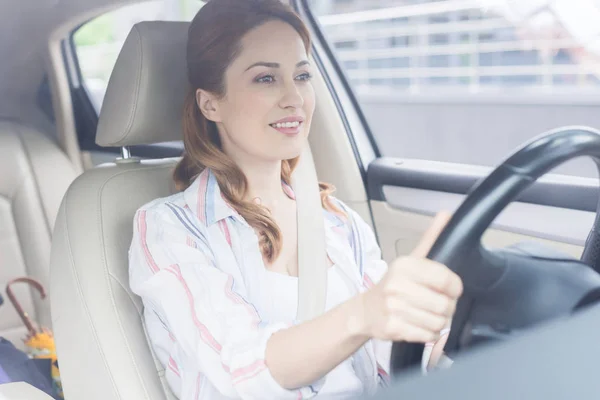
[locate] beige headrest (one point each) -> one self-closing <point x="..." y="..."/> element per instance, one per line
<point x="144" y="99"/>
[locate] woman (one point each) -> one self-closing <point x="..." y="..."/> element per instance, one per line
<point x="216" y="264"/>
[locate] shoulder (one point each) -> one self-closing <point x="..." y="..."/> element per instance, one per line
<point x="359" y="236"/>
<point x="165" y="232"/>
<point x="359" y="231"/>
<point x="340" y="215"/>
<point x="168" y="215"/>
<point x="344" y="215"/>
<point x="156" y="210"/>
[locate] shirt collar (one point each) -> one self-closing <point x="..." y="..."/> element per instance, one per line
<point x="206" y="201"/>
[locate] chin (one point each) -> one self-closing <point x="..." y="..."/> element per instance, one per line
<point x="292" y="150"/>
<point x="287" y="154"/>
<point x="284" y="147"/>
<point x="283" y="152"/>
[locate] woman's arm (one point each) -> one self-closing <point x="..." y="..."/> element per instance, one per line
<point x="411" y="300"/>
<point x="306" y="352"/>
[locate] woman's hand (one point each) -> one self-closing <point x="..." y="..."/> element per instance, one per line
<point x="416" y="298"/>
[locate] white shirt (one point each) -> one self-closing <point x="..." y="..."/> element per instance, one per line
<point x="208" y="299"/>
<point x="281" y="303"/>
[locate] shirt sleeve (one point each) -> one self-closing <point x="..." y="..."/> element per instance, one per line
<point x="368" y="257"/>
<point x="216" y="333"/>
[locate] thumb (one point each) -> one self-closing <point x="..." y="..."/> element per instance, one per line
<point x="431" y="234"/>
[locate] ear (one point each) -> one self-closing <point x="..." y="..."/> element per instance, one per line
<point x="208" y="105"/>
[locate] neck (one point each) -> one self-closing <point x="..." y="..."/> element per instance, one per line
<point x="264" y="183"/>
<point x="263" y="176"/>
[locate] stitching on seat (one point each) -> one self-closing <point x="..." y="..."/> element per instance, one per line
<point x="20" y="244"/>
<point x="103" y="255"/>
<point x="23" y="181"/>
<point x="136" y="87"/>
<point x="112" y="298"/>
<point x="110" y="274"/>
<point x="35" y="180"/>
<point x="82" y="296"/>
<point x="37" y="308"/>
<point x="161" y="371"/>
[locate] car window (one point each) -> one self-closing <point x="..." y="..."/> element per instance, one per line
<point x="466" y="82"/>
<point x="98" y="42"/>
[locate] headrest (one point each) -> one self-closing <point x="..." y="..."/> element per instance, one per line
<point x="145" y="94"/>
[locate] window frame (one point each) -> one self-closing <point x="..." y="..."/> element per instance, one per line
<point x="347" y="104"/>
<point x="391" y="171"/>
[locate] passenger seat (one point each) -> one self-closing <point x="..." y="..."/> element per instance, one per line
<point x="34" y="175"/>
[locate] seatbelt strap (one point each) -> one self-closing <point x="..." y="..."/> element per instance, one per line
<point x="312" y="255"/>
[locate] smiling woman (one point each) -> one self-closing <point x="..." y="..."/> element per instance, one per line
<point x="216" y="264"/>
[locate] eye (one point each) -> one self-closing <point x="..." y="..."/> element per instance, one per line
<point x="265" y="79"/>
<point x="304" y="77"/>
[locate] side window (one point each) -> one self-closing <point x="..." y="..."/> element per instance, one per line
<point x="450" y="81"/>
<point x="98" y="42"/>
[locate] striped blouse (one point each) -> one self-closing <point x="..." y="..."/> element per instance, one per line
<point x="196" y="264"/>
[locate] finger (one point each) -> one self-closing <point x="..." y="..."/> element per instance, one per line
<point x="417" y="315"/>
<point x="438" y="350"/>
<point x="419" y="296"/>
<point x="400" y="330"/>
<point x="431" y="234"/>
<point x="435" y="276"/>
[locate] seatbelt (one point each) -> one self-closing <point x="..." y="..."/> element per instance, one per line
<point x="312" y="255"/>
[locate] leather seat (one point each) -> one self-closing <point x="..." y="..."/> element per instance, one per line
<point x="35" y="176"/>
<point x="101" y="342"/>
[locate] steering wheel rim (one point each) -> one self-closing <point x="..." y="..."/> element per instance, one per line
<point x="459" y="245"/>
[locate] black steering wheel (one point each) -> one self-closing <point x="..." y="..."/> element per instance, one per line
<point x="506" y="291"/>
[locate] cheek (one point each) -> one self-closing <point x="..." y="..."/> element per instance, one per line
<point x="252" y="108"/>
<point x="308" y="107"/>
<point x="308" y="95"/>
<point x="247" y="120"/>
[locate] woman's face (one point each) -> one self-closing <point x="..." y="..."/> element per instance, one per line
<point x="267" y="109"/>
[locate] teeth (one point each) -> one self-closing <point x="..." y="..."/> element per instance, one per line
<point x="286" y="125"/>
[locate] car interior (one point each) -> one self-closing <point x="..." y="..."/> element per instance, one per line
<point x="73" y="177"/>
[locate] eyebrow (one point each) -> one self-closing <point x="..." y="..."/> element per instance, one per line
<point x="274" y="65"/>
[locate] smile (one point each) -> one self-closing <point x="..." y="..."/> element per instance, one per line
<point x="293" y="124"/>
<point x="291" y="128"/>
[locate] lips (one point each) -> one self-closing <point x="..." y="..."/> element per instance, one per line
<point x="289" y="125"/>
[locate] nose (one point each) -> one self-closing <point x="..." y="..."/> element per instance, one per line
<point x="291" y="96"/>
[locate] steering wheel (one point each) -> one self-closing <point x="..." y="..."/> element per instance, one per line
<point x="508" y="290"/>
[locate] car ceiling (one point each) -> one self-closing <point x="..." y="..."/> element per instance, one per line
<point x="25" y="27"/>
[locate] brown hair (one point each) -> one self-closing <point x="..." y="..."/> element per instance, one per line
<point x="213" y="43"/>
